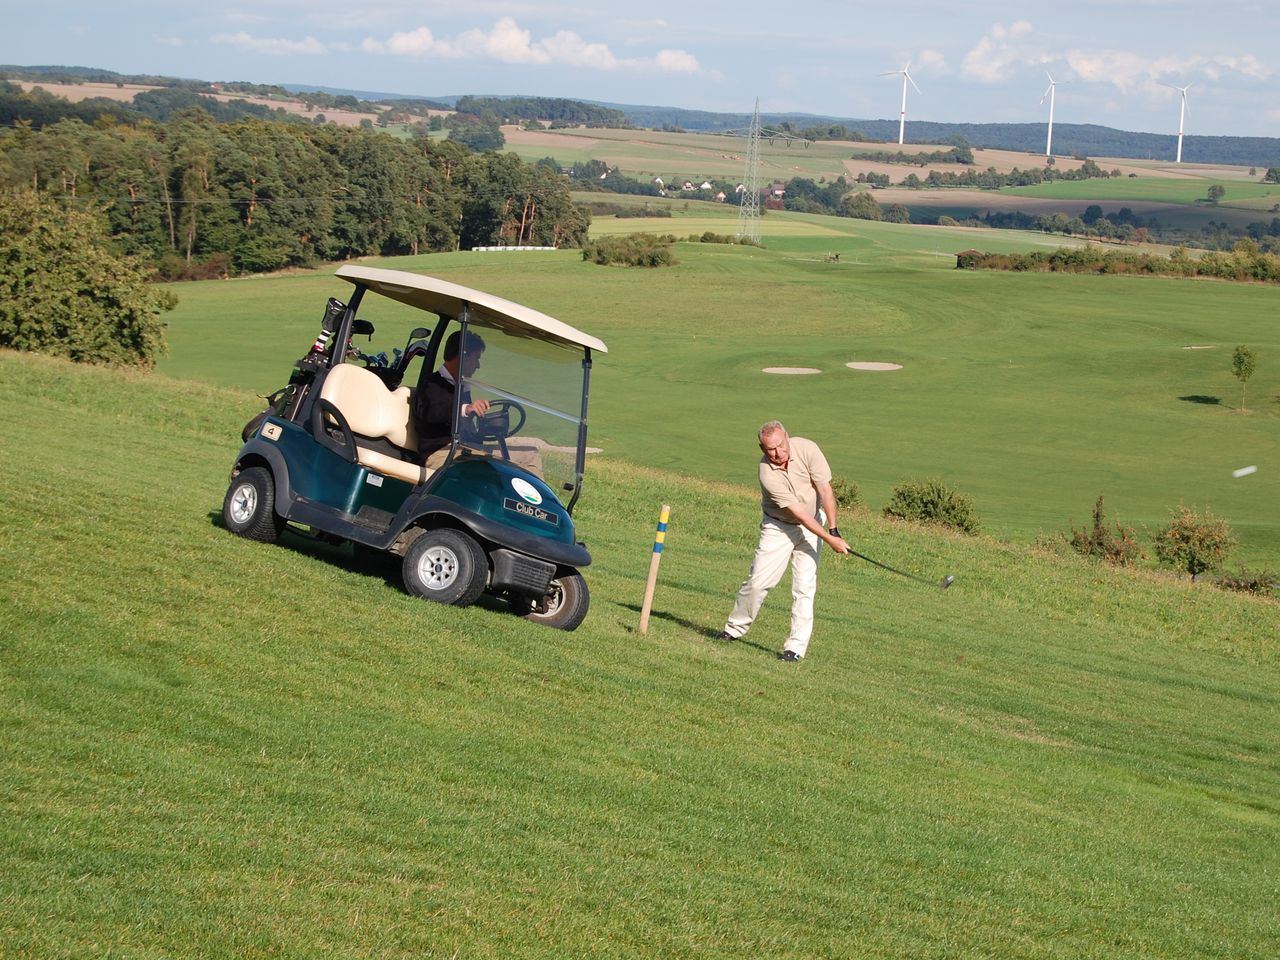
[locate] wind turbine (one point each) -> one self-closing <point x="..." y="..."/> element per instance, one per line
<point x="906" y="77"/>
<point x="1049" y="93"/>
<point x="1182" y="115"/>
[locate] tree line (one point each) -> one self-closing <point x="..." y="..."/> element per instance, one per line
<point x="1246" y="262"/>
<point x="39" y="108"/>
<point x="514" y="109"/>
<point x="1126" y="226"/>
<point x="195" y="197"/>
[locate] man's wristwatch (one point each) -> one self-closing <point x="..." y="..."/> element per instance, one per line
<point x="835" y="532"/>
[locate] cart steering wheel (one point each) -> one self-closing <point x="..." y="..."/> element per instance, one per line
<point x="496" y="424"/>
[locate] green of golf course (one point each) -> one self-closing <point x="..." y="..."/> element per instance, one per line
<point x="224" y="749"/>
<point x="1033" y="393"/>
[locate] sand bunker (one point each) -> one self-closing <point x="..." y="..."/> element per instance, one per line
<point x="1199" y="346"/>
<point x="872" y="365"/>
<point x="792" y="370"/>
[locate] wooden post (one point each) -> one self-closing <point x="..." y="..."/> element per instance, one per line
<point x="658" y="541"/>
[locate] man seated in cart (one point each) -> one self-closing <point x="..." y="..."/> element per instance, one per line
<point x="434" y="400"/>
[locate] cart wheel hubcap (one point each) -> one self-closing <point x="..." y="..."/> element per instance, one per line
<point x="551" y="602"/>
<point x="438" y="567"/>
<point x="244" y="503"/>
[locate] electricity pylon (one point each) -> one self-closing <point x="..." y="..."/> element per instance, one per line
<point x="749" y="202"/>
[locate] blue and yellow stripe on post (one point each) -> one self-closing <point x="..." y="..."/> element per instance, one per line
<point x="659" y="541"/>
<point x="661" y="537"/>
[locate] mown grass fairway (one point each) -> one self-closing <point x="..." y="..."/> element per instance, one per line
<point x="218" y="748"/>
<point x="1032" y="393"/>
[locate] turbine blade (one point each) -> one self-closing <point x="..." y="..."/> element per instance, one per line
<point x="913" y="83"/>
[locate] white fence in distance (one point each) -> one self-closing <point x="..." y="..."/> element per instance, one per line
<point x="497" y="249"/>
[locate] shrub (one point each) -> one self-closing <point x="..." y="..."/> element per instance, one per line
<point x="932" y="501"/>
<point x="1119" y="546"/>
<point x="1262" y="583"/>
<point x="633" y="250"/>
<point x="1194" y="543"/>
<point x="645" y="211"/>
<point x="848" y="495"/>
<point x="173" y="267"/>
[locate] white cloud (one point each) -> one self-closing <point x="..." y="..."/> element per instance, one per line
<point x="1001" y="51"/>
<point x="272" y="46"/>
<point x="1121" y="68"/>
<point x="930" y="61"/>
<point x="1007" y="49"/>
<point x="508" y="42"/>
<point x="676" y="61"/>
<point x="414" y="43"/>
<point x="1249" y="65"/>
<point x="569" y="49"/>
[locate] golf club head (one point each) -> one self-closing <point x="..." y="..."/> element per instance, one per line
<point x="947" y="581"/>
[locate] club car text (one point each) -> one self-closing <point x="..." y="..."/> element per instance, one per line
<point x="519" y="506"/>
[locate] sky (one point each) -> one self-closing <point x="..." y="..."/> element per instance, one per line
<point x="1115" y="62"/>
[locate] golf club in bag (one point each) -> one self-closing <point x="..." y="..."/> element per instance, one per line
<point x="940" y="584"/>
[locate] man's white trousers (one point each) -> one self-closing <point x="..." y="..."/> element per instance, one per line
<point x="780" y="542"/>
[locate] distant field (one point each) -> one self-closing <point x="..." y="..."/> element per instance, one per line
<point x="1171" y="193"/>
<point x="124" y="93"/>
<point x="652" y="153"/>
<point x="1033" y="393"/>
<point x="75" y="92"/>
<point x="649" y="153"/>
<point x="1150" y="189"/>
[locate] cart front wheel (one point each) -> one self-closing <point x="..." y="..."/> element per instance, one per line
<point x="564" y="607"/>
<point x="249" y="508"/>
<point x="447" y="566"/>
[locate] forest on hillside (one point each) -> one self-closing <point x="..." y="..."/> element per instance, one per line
<point x="200" y="198"/>
<point x="1070" y="139"/>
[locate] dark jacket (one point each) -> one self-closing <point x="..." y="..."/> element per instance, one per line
<point x="433" y="413"/>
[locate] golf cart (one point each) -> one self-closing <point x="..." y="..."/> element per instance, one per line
<point x="336" y="452"/>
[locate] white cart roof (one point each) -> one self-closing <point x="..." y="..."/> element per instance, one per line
<point x="445" y="298"/>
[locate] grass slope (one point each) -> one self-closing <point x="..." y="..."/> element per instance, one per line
<point x="1034" y="393"/>
<point x="224" y="749"/>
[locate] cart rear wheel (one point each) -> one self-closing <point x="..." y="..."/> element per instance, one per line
<point x="564" y="607"/>
<point x="447" y="566"/>
<point x="249" y="508"/>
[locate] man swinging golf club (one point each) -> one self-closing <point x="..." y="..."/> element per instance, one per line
<point x="795" y="481"/>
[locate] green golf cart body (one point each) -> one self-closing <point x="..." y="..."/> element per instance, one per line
<point x="336" y="454"/>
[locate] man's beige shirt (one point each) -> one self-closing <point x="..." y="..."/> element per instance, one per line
<point x="793" y="487"/>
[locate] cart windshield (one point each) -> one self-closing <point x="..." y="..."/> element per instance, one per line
<point x="536" y="389"/>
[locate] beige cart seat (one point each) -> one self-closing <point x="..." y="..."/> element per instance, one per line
<point x="373" y="411"/>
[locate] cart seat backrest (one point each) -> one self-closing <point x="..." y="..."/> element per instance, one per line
<point x="371" y="410"/>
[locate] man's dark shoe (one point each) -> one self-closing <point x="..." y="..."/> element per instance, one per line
<point x="790" y="656"/>
<point x="724" y="636"/>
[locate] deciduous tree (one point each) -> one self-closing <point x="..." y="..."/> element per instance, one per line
<point x="1242" y="365"/>
<point x="64" y="293"/>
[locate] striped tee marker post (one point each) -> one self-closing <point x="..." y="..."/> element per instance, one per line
<point x="658" y="540"/>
